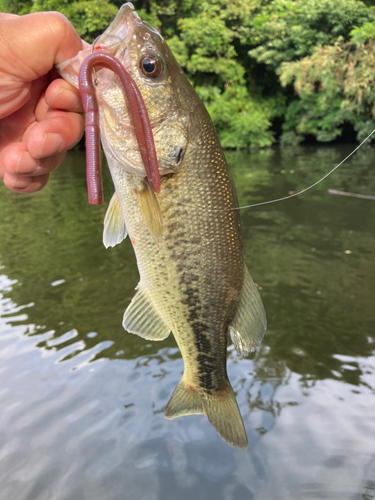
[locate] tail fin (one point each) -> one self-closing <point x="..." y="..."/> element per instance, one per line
<point x="220" y="408"/>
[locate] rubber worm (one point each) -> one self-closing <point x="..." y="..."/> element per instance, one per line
<point x="139" y="116"/>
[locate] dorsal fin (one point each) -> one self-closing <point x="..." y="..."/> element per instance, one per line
<point x="114" y="226"/>
<point x="141" y="318"/>
<point x="249" y="323"/>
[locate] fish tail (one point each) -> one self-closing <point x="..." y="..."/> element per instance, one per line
<point x="220" y="408"/>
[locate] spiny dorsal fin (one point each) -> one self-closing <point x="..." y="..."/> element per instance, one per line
<point x="141" y="318"/>
<point x="114" y="226"/>
<point x="221" y="409"/>
<point x="150" y="210"/>
<point x="249" y="323"/>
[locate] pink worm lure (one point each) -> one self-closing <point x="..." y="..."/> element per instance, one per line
<point x="138" y="113"/>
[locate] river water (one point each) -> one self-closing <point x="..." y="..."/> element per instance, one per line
<point x="81" y="400"/>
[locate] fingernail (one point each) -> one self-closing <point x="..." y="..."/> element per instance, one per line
<point x="26" y="163"/>
<point x="20" y="182"/>
<point x="51" y="144"/>
<point x="68" y="98"/>
<point x="19" y="159"/>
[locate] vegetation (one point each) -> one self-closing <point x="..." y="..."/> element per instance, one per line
<point x="300" y="67"/>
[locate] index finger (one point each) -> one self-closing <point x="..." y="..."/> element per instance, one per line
<point x="37" y="42"/>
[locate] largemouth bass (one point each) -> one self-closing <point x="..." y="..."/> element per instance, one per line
<point x="187" y="238"/>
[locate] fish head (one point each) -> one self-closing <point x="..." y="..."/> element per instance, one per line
<point x="146" y="57"/>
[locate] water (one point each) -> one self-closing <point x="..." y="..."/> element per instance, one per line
<point x="82" y="401"/>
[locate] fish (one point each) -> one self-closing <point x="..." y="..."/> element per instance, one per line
<point x="194" y="282"/>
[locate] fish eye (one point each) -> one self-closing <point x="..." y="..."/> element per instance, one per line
<point x="151" y="65"/>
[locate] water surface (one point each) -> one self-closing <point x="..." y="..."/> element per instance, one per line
<point x="82" y="401"/>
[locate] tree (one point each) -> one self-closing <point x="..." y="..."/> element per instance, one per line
<point x="334" y="85"/>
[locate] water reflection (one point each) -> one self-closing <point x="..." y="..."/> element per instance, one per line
<point x="83" y="397"/>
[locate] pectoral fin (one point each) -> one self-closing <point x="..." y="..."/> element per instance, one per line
<point x="249" y="323"/>
<point x="114" y="226"/>
<point x="150" y="211"/>
<point x="141" y="318"/>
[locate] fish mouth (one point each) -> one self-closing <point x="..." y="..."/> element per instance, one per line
<point x="113" y="40"/>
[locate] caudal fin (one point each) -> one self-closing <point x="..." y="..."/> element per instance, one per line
<point x="220" y="408"/>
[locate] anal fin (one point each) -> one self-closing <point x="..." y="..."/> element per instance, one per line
<point x="249" y="323"/>
<point x="141" y="318"/>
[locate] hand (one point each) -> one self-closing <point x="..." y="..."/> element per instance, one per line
<point x="40" y="114"/>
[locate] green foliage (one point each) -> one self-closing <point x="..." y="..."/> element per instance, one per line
<point x="363" y="34"/>
<point x="240" y="120"/>
<point x="90" y="18"/>
<point x="285" y="30"/>
<point x="331" y="84"/>
<point x="15" y="6"/>
<point x="307" y="63"/>
<point x="335" y="85"/>
<point x="206" y="49"/>
<point x="290" y="139"/>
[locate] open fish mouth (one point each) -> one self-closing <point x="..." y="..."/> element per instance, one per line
<point x="113" y="40"/>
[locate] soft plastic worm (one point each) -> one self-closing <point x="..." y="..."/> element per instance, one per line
<point x="140" y="119"/>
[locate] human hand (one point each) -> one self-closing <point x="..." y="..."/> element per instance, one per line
<point x="40" y="114"/>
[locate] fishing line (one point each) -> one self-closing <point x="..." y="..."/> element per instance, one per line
<point x="303" y="190"/>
